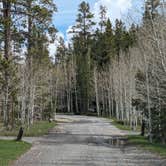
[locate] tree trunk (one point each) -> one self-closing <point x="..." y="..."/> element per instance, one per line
<point x="7" y="36"/>
<point x="148" y="100"/>
<point x="96" y="92"/>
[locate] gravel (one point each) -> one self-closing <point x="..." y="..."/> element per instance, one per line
<point x="85" y="141"/>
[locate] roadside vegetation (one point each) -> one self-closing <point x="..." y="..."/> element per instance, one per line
<point x="124" y="126"/>
<point x="142" y="142"/>
<point x="38" y="128"/>
<point x="11" y="150"/>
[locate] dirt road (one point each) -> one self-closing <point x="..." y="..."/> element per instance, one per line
<point x="85" y="141"/>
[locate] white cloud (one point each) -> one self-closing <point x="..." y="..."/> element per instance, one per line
<point x="69" y="35"/>
<point x="53" y="46"/>
<point x="115" y="8"/>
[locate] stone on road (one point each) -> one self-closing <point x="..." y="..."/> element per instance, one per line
<point x="85" y="141"/>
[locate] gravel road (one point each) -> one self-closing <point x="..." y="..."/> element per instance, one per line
<point x="85" y="141"/>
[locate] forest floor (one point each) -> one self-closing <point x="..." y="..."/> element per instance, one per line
<point x="86" y="141"/>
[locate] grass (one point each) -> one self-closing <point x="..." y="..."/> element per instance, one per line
<point x="11" y="150"/>
<point x="37" y="129"/>
<point x="121" y="126"/>
<point x="142" y="142"/>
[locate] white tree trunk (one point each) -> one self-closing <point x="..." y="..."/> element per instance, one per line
<point x="96" y="91"/>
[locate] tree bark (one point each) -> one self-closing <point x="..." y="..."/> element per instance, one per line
<point x="7" y="47"/>
<point x="96" y="91"/>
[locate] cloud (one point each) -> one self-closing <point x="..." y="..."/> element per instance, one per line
<point x="115" y="8"/>
<point x="53" y="46"/>
<point x="69" y="35"/>
<point x="66" y="16"/>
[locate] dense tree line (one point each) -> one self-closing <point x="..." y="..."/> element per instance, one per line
<point x="24" y="60"/>
<point x="117" y="71"/>
<point x="108" y="69"/>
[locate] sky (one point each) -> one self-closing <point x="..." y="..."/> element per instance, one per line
<point x="67" y="11"/>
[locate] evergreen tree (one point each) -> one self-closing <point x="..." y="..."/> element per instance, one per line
<point x="81" y="42"/>
<point x="119" y="34"/>
<point x="103" y="17"/>
<point x="20" y="22"/>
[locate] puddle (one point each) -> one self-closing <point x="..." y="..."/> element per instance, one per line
<point x="117" y="141"/>
<point x="113" y="141"/>
<point x="67" y="138"/>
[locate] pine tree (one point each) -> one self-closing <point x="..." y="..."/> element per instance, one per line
<point x="103" y="17"/>
<point x="20" y="21"/>
<point x="81" y="41"/>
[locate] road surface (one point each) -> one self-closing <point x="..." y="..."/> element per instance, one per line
<point x="85" y="141"/>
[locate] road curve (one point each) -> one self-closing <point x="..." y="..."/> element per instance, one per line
<point x="85" y="141"/>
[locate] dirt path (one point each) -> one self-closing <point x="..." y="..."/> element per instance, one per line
<point x="85" y="141"/>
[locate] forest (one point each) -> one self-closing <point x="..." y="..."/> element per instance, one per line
<point x="108" y="69"/>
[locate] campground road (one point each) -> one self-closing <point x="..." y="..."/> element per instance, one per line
<point x="85" y="141"/>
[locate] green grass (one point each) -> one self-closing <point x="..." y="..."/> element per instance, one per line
<point x="11" y="150"/>
<point x="145" y="144"/>
<point x="120" y="126"/>
<point x="37" y="129"/>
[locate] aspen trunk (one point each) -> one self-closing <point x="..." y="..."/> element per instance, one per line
<point x="96" y="92"/>
<point x="148" y="100"/>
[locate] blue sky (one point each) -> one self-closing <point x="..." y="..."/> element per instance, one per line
<point x="67" y="10"/>
<point x="66" y="15"/>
